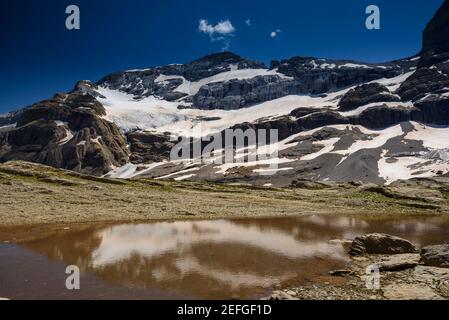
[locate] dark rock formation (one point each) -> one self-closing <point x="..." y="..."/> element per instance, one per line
<point x="436" y="38"/>
<point x="236" y="94"/>
<point x="147" y="147"/>
<point x="378" y="243"/>
<point x="423" y="81"/>
<point x="365" y="94"/>
<point x="433" y="110"/>
<point x="380" y="117"/>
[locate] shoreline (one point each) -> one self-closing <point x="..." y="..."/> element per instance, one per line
<point x="17" y="234"/>
<point x="39" y="197"/>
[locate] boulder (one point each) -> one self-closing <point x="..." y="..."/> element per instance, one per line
<point x="379" y="243"/>
<point x="436" y="256"/>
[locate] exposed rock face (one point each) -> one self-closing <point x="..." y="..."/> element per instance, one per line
<point x="378" y="243"/>
<point x="322" y="75"/>
<point x="434" y="110"/>
<point x="365" y="94"/>
<point x="382" y="116"/>
<point x="68" y="132"/>
<point x="436" y="37"/>
<point x="236" y="94"/>
<point x="424" y="81"/>
<point x="146" y="147"/>
<point x="309" y="76"/>
<point x="436" y="256"/>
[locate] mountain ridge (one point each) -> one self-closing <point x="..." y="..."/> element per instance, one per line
<point x="327" y="112"/>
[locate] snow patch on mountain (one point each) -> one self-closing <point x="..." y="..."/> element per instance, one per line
<point x="154" y="114"/>
<point x="434" y="137"/>
<point x="192" y="88"/>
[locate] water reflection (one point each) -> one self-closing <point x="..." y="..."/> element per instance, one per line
<point x="226" y="258"/>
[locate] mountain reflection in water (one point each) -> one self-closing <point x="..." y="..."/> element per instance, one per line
<point x="223" y="258"/>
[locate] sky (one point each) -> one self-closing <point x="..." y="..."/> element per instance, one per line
<point x="39" y="56"/>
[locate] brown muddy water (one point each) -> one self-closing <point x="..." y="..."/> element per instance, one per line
<point x="223" y="259"/>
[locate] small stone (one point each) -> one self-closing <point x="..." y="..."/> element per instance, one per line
<point x="340" y="273"/>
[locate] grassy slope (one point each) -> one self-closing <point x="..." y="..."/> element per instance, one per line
<point x="33" y="194"/>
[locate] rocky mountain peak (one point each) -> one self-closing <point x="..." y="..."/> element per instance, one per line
<point x="436" y="37"/>
<point x="220" y="57"/>
<point x="436" y="34"/>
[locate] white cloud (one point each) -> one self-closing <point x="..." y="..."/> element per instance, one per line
<point x="222" y="28"/>
<point x="248" y="22"/>
<point x="222" y="31"/>
<point x="274" y="34"/>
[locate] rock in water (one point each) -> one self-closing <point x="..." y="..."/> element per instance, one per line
<point x="436" y="256"/>
<point x="379" y="243"/>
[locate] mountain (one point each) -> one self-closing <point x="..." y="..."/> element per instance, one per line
<point x="338" y="120"/>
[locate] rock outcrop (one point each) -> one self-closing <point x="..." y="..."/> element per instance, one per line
<point x="436" y="256"/>
<point x="365" y="94"/>
<point x="423" y="82"/>
<point x="436" y="38"/>
<point x="68" y="132"/>
<point x="147" y="147"/>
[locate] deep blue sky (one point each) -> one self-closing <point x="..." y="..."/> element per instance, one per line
<point x="39" y="56"/>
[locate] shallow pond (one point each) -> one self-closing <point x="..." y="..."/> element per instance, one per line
<point x="222" y="259"/>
